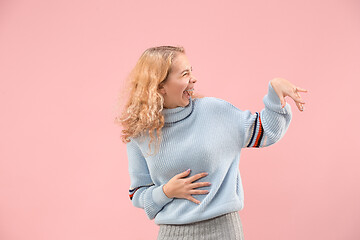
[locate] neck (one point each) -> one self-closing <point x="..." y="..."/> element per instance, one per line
<point x="173" y="115"/>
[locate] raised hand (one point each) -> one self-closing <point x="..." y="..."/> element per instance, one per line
<point x="285" y="88"/>
<point x="180" y="187"/>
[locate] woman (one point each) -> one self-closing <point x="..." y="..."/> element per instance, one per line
<point x="196" y="138"/>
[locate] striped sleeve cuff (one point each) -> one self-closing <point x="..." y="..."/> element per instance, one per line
<point x="133" y="190"/>
<point x="257" y="133"/>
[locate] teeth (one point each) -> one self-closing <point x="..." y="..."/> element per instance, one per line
<point x="189" y="92"/>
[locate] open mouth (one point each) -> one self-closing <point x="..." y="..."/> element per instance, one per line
<point x="188" y="93"/>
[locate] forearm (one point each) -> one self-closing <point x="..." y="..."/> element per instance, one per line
<point x="275" y="120"/>
<point x="269" y="126"/>
<point x="150" y="198"/>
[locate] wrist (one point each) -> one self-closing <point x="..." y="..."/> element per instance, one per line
<point x="165" y="190"/>
<point x="274" y="81"/>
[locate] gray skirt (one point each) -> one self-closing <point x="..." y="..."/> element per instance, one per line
<point x="224" y="227"/>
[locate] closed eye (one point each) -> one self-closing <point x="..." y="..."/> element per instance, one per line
<point x="188" y="70"/>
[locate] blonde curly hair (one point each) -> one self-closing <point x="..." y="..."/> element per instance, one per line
<point x="142" y="111"/>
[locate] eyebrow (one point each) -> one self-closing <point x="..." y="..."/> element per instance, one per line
<point x="186" y="70"/>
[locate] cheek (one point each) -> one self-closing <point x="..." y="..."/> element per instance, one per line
<point x="176" y="92"/>
<point x="179" y="89"/>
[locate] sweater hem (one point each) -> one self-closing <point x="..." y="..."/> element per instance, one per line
<point x="225" y="208"/>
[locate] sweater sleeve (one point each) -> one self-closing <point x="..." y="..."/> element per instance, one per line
<point x="143" y="192"/>
<point x="267" y="127"/>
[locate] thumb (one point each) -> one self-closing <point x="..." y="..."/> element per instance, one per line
<point x="283" y="102"/>
<point x="183" y="174"/>
<point x="281" y="97"/>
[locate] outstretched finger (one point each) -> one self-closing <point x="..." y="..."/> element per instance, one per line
<point x="197" y="176"/>
<point x="301" y="89"/>
<point x="200" y="184"/>
<point x="297" y="98"/>
<point x="199" y="191"/>
<point x="193" y="199"/>
<point x="300" y="106"/>
<point x="183" y="174"/>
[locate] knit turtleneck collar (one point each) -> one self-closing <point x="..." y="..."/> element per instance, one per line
<point x="173" y="115"/>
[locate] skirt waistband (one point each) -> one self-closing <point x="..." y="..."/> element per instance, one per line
<point x="225" y="227"/>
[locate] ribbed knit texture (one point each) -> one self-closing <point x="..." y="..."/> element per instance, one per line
<point x="224" y="227"/>
<point x="207" y="135"/>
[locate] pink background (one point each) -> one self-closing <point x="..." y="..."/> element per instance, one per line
<point x="63" y="167"/>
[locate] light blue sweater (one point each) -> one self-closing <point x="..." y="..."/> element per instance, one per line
<point x="207" y="135"/>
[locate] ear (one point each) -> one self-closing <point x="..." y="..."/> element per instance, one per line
<point x="162" y="90"/>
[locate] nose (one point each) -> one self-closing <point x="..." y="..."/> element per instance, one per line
<point x="193" y="79"/>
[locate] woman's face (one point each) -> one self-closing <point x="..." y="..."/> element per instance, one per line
<point x="179" y="79"/>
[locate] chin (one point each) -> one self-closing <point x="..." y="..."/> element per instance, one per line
<point x="187" y="102"/>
